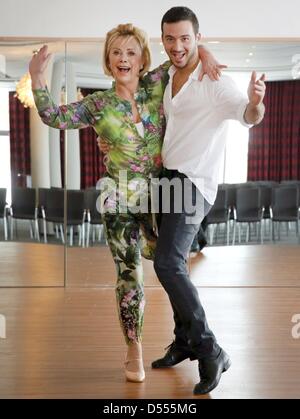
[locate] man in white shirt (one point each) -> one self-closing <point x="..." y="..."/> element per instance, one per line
<point x="197" y="113"/>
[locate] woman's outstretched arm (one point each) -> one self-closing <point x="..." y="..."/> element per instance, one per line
<point x="73" y="116"/>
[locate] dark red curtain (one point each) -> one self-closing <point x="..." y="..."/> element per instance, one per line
<point x="91" y="159"/>
<point x="274" y="145"/>
<point x="19" y="141"/>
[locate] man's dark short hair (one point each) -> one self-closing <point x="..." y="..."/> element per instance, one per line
<point x="177" y="14"/>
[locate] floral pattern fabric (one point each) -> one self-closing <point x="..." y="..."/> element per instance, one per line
<point x="130" y="236"/>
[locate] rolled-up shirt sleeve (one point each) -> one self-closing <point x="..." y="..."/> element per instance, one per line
<point x="229" y="101"/>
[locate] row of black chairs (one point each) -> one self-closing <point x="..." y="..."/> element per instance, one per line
<point x="249" y="203"/>
<point x="255" y="203"/>
<point x="48" y="205"/>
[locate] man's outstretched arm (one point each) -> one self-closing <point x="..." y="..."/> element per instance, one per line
<point x="255" y="110"/>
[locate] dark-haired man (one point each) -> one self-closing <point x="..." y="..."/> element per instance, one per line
<point x="192" y="151"/>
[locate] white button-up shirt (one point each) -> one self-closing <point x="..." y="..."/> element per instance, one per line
<point x="197" y="118"/>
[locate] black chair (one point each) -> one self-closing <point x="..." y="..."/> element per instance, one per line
<point x="52" y="210"/>
<point x="24" y="207"/>
<point x="76" y="214"/>
<point x="231" y="196"/>
<point x="266" y="199"/>
<point x="292" y="183"/>
<point x="42" y="203"/>
<point x="3" y="211"/>
<point x="94" y="218"/>
<point x="268" y="183"/>
<point x="219" y="213"/>
<point x="285" y="207"/>
<point x="248" y="210"/>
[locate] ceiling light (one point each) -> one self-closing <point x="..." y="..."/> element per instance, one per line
<point x="24" y="92"/>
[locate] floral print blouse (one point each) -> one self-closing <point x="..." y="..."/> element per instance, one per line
<point x="111" y="117"/>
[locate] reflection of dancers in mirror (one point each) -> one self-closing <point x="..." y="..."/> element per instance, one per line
<point x="130" y="116"/>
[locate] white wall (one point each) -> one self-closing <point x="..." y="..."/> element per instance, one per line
<point x="93" y="18"/>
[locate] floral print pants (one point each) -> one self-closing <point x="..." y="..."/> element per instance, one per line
<point x="130" y="236"/>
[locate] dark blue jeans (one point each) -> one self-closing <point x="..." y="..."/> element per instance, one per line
<point x="176" y="235"/>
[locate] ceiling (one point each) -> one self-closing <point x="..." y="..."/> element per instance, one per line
<point x="275" y="59"/>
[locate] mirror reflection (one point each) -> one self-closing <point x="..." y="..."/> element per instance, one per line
<point x="253" y="163"/>
<point x="32" y="172"/>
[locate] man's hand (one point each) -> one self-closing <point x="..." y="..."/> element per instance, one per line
<point x="256" y="92"/>
<point x="210" y="65"/>
<point x="256" y="89"/>
<point x="103" y="145"/>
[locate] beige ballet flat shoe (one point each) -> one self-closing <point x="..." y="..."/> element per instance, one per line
<point x="137" y="376"/>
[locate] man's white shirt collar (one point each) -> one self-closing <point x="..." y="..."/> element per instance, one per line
<point x="194" y="75"/>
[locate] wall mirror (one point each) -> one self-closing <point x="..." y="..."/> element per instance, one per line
<point x="37" y="229"/>
<point x="31" y="172"/>
<point x="244" y="164"/>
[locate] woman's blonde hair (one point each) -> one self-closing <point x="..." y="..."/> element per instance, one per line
<point x="127" y="31"/>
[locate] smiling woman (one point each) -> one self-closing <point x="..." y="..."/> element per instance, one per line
<point x="113" y="114"/>
<point x="139" y="46"/>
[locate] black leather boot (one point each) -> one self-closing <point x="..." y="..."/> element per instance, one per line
<point x="174" y="356"/>
<point x="210" y="371"/>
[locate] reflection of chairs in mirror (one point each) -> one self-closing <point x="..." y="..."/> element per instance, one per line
<point x="24" y="207"/>
<point x="76" y="215"/>
<point x="248" y="210"/>
<point x="261" y="206"/>
<point x="52" y="210"/>
<point x="4" y="211"/>
<point x="51" y="204"/>
<point x="43" y="208"/>
<point x="219" y="214"/>
<point x="81" y="214"/>
<point x="93" y="216"/>
<point x="285" y="208"/>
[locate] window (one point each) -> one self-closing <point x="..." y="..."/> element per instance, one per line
<point x="235" y="164"/>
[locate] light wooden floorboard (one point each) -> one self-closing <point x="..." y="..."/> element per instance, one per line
<point x="67" y="342"/>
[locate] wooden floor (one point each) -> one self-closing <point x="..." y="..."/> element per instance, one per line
<point x="238" y="266"/>
<point x="66" y="342"/>
<point x="31" y="265"/>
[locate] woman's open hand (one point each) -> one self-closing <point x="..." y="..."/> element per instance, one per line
<point x="38" y="67"/>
